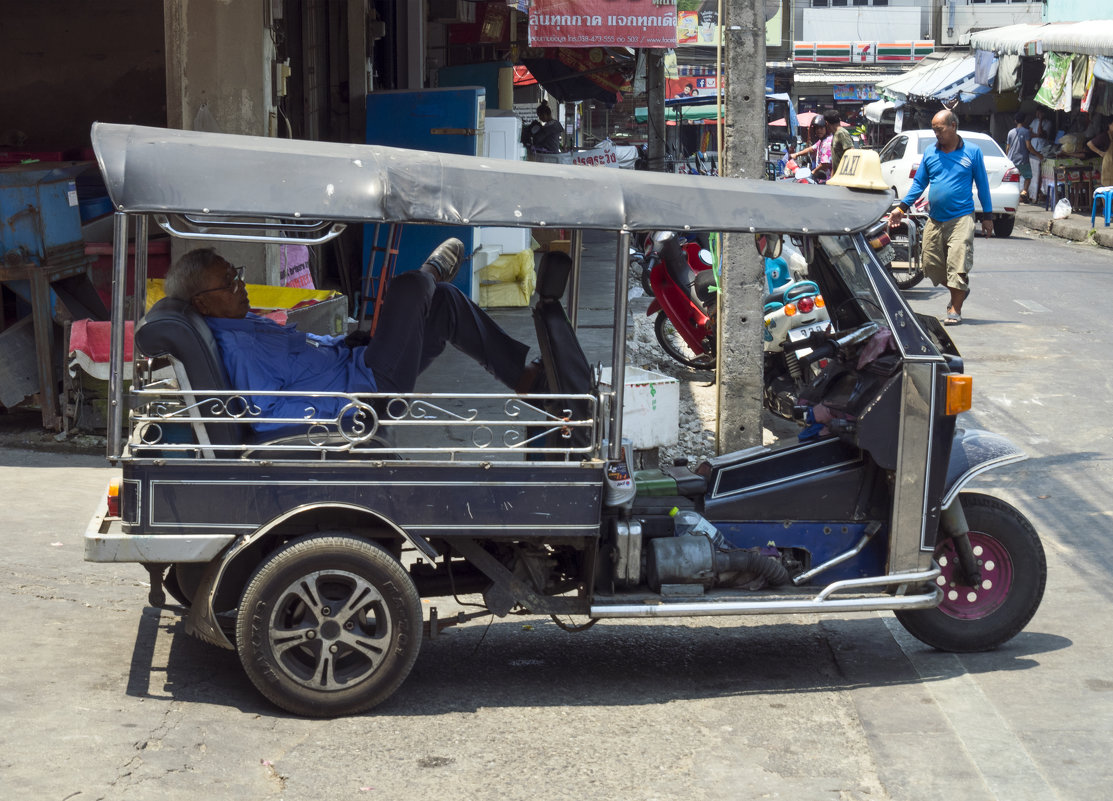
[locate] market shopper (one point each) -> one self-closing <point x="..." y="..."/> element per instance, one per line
<point x="819" y="151"/>
<point x="1041" y="142"/>
<point x="421" y="313"/>
<point x="950" y="167"/>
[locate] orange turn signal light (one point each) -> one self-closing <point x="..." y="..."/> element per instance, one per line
<point x="114" y="498"/>
<point x="960" y="393"/>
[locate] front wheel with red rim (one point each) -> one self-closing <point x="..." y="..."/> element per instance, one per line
<point x="983" y="615"/>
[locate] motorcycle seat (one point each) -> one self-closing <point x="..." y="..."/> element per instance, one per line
<point x="790" y="293"/>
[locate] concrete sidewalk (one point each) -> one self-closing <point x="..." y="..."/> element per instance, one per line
<point x="1076" y="227"/>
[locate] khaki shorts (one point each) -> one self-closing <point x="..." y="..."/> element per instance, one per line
<point x="948" y="252"/>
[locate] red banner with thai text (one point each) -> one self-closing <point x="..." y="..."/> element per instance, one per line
<point x="602" y="23"/>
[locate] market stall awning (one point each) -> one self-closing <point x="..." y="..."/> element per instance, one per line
<point x="828" y="77"/>
<point x="939" y="76"/>
<point x="874" y="111"/>
<point x="1092" y="38"/>
<point x="571" y="75"/>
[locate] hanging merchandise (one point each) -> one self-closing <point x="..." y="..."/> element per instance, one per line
<point x="1079" y="72"/>
<point x="985" y="67"/>
<point x="1088" y="84"/>
<point x="1055" y="92"/>
<point x="1008" y="73"/>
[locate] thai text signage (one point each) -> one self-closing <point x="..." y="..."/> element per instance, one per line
<point x="602" y="23"/>
<point x="602" y="155"/>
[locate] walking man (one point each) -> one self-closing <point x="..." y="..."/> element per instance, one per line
<point x="950" y="167"/>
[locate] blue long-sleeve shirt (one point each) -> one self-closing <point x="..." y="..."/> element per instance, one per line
<point x="951" y="176"/>
<point x="259" y="354"/>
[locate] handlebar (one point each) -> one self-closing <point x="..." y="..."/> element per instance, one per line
<point x="825" y="345"/>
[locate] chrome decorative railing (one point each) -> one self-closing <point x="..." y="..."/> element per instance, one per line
<point x="385" y="427"/>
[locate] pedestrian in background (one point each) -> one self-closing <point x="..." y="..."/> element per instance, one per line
<point x="544" y="134"/>
<point x="950" y="167"/>
<point x="1102" y="144"/>
<point x="1018" y="147"/>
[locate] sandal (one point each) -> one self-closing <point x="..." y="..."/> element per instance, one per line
<point x="952" y="318"/>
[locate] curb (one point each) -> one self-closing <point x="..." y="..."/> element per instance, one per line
<point x="1075" y="228"/>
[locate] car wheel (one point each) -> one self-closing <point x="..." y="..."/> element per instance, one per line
<point x="329" y="625"/>
<point x="1003" y="226"/>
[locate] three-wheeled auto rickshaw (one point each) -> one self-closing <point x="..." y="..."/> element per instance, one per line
<point x="310" y="554"/>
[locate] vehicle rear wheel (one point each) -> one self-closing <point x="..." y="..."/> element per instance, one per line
<point x="1013" y="574"/>
<point x="906" y="269"/>
<point x="677" y="348"/>
<point x="329" y="625"/>
<point x="1003" y="226"/>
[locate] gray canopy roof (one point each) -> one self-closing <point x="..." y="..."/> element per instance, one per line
<point x="191" y="172"/>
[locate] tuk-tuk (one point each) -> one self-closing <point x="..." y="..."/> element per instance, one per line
<point x="310" y="554"/>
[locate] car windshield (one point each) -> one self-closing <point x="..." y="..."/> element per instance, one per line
<point x="987" y="146"/>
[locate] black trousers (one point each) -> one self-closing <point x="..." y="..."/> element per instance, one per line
<point x="419" y="317"/>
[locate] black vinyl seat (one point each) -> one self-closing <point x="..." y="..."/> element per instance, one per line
<point x="173" y="328"/>
<point x="567" y="370"/>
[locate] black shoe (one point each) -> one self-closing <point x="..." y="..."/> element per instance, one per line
<point x="444" y="261"/>
<point x="532" y="379"/>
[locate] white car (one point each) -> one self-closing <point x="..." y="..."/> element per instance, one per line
<point x="900" y="159"/>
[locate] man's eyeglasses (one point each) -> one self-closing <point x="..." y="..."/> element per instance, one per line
<point x="238" y="279"/>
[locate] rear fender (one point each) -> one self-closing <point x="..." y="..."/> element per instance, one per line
<point x="216" y="593"/>
<point x="974" y="452"/>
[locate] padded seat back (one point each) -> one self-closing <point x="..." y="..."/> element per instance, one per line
<point x="566" y="367"/>
<point x="174" y="328"/>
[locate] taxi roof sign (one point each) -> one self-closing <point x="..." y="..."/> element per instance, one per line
<point x="859" y="169"/>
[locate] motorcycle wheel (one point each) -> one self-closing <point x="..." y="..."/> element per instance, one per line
<point x="1013" y="575"/>
<point x="677" y="348"/>
<point x="906" y="268"/>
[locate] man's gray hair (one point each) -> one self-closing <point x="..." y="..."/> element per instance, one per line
<point x="950" y="117"/>
<point x="187" y="277"/>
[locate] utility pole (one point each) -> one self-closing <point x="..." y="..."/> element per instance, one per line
<point x="740" y="358"/>
<point x="655" y="108"/>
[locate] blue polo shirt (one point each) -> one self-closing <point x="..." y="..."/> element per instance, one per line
<point x="951" y="176"/>
<point x="260" y="354"/>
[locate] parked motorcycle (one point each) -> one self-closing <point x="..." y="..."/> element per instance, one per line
<point x="793" y="310"/>
<point x="683" y="299"/>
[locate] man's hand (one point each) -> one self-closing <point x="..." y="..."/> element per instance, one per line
<point x="357" y="338"/>
<point x="987" y="227"/>
<point x="895" y="217"/>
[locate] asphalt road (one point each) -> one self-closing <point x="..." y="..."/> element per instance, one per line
<point x="104" y="698"/>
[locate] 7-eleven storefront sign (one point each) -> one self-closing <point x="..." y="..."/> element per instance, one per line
<point x="860" y="52"/>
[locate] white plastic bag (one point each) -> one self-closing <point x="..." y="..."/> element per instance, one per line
<point x="1062" y="209"/>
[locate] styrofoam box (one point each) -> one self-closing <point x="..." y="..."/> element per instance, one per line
<point x="650" y="407"/>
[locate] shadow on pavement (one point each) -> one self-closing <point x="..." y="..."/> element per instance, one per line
<point x="529" y="661"/>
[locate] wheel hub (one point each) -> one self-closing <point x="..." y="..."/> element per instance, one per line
<point x="317" y="650"/>
<point x="964" y="601"/>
